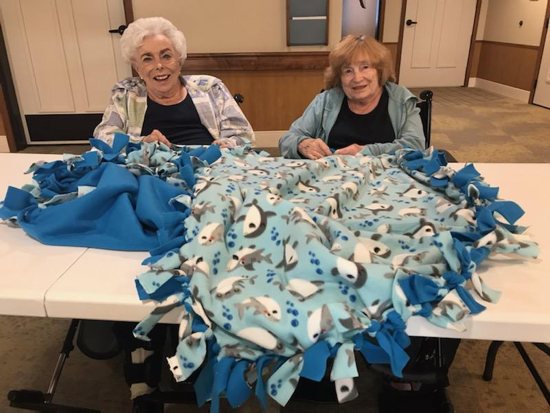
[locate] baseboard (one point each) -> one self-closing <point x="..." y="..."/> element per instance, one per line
<point x="500" y="89"/>
<point x="4" y="147"/>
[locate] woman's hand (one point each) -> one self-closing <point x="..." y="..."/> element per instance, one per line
<point x="352" y="149"/>
<point x="224" y="143"/>
<point x="157" y="136"/>
<point x="314" y="148"/>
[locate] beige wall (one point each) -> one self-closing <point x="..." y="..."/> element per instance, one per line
<point x="217" y="26"/>
<point x="482" y="19"/>
<point x="502" y="22"/>
<point x="392" y="18"/>
<point x="501" y="40"/>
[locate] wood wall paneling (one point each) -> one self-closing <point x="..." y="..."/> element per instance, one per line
<point x="272" y="99"/>
<point x="256" y="61"/>
<point x="508" y="64"/>
<point x="474" y="67"/>
<point x="473" y="59"/>
<point x="5" y="125"/>
<point x="276" y="87"/>
<point x="4" y="121"/>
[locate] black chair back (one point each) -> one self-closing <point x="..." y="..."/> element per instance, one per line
<point x="425" y="106"/>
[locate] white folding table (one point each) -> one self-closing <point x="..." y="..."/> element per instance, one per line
<point x="86" y="283"/>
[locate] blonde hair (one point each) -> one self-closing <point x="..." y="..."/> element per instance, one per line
<point x="352" y="46"/>
<point x="136" y="31"/>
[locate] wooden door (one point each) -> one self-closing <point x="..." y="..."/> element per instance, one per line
<point x="64" y="62"/>
<point x="436" y="42"/>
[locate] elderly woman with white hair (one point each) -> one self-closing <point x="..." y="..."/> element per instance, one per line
<point x="162" y="105"/>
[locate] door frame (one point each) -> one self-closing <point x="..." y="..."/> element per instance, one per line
<point x="11" y="115"/>
<point x="470" y="52"/>
<point x="541" y="51"/>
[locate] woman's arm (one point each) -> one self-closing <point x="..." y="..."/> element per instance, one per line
<point x="114" y="120"/>
<point x="235" y="130"/>
<point x="306" y="126"/>
<point x="125" y="111"/>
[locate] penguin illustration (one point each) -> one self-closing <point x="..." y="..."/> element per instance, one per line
<point x="290" y="256"/>
<point x="211" y="233"/>
<point x="353" y="273"/>
<point x="263" y="305"/>
<point x="426" y="229"/>
<point x="319" y="322"/>
<point x="247" y="258"/>
<point x="255" y="220"/>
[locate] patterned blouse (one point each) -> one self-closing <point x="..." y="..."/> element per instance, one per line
<point x="217" y="109"/>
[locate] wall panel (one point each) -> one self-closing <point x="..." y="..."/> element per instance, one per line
<point x="514" y="21"/>
<point x="276" y="87"/>
<point x="272" y="99"/>
<point x="509" y="64"/>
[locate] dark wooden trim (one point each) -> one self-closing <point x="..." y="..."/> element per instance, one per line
<point x="472" y="42"/>
<point x="6" y="121"/>
<point x="13" y="123"/>
<point x="128" y="11"/>
<point x="381" y="17"/>
<point x="400" y="41"/>
<point x="256" y="61"/>
<point x="519" y="46"/>
<point x="129" y="18"/>
<point x="328" y="22"/>
<point x="541" y="51"/>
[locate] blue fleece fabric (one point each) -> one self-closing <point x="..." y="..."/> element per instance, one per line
<point x="115" y="202"/>
<point x="275" y="265"/>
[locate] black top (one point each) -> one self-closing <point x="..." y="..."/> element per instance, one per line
<point x="180" y="123"/>
<point x="373" y="127"/>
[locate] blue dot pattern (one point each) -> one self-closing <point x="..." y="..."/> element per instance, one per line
<point x="283" y="263"/>
<point x="325" y="253"/>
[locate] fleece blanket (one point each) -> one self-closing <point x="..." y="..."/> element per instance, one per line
<point x="292" y="262"/>
<point x="275" y="266"/>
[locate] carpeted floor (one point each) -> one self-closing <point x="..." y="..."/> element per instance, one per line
<point x="471" y="124"/>
<point x="478" y="126"/>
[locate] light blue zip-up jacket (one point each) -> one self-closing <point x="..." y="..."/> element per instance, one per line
<point x="320" y="116"/>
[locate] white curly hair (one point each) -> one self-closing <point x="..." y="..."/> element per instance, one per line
<point x="139" y="29"/>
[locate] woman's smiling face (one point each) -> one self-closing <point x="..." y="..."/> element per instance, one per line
<point x="158" y="64"/>
<point x="360" y="80"/>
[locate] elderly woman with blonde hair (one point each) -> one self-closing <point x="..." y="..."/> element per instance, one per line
<point x="164" y="106"/>
<point x="362" y="110"/>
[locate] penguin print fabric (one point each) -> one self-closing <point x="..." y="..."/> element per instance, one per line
<point x="275" y="266"/>
<point x="292" y="262"/>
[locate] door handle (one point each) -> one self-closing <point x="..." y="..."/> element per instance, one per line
<point x="119" y="30"/>
<point x="410" y="22"/>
